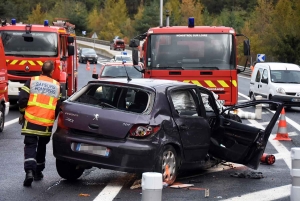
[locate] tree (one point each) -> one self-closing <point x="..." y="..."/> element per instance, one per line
<point x="37" y="16"/>
<point x="190" y="9"/>
<point x="173" y="6"/>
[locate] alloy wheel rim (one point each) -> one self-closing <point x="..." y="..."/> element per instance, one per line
<point x="168" y="166"/>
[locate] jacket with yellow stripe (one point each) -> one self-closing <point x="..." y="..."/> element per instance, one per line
<point x="30" y="128"/>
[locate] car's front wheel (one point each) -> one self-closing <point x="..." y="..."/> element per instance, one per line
<point x="168" y="164"/>
<point x="68" y="170"/>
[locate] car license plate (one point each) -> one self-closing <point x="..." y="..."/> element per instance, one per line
<point x="296" y="100"/>
<point x="92" y="149"/>
<point x="90" y="59"/>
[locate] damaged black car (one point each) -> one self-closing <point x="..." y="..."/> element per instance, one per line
<point x="143" y="125"/>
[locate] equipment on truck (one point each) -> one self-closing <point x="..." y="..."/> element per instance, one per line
<point x="202" y="55"/>
<point x="27" y="46"/>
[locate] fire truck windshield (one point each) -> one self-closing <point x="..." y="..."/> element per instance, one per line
<point x="40" y="44"/>
<point x="191" y="51"/>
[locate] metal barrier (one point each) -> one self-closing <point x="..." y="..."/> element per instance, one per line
<point x="295" y="173"/>
<point x="247" y="71"/>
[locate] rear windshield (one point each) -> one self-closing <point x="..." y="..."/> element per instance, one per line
<point x="121" y="71"/>
<point x="120" y="43"/>
<point x="115" y="97"/>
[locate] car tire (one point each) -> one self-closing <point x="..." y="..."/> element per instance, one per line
<point x="67" y="170"/>
<point x="2" y="117"/>
<point x="272" y="106"/>
<point x="168" y="157"/>
<point x="252" y="97"/>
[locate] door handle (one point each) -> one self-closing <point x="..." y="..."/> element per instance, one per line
<point x="183" y="127"/>
<point x="93" y="126"/>
<point x="227" y="123"/>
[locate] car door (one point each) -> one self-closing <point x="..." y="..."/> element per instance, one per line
<point x="193" y="127"/>
<point x="237" y="142"/>
<point x="264" y="84"/>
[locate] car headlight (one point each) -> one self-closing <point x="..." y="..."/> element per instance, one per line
<point x="280" y="90"/>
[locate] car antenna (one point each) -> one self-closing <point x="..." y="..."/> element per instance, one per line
<point x="128" y="78"/>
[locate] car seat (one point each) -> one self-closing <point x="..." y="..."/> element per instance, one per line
<point x="163" y="53"/>
<point x="140" y="102"/>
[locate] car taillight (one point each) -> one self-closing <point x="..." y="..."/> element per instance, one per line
<point x="143" y="130"/>
<point x="60" y="121"/>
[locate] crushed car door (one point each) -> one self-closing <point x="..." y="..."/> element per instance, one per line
<point x="193" y="127"/>
<point x="237" y="142"/>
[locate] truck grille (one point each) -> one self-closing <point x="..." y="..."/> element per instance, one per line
<point x="23" y="73"/>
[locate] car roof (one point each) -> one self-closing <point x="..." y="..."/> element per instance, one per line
<point x="85" y="48"/>
<point x="279" y="66"/>
<point x="142" y="82"/>
<point x="119" y="64"/>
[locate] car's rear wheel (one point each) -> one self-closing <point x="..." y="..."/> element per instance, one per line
<point x="68" y="170"/>
<point x="167" y="164"/>
<point x="252" y="97"/>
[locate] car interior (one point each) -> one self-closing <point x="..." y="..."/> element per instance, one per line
<point x="132" y="100"/>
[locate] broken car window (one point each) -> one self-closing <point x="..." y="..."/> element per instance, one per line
<point x="184" y="102"/>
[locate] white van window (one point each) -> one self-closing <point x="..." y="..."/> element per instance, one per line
<point x="265" y="74"/>
<point x="258" y="75"/>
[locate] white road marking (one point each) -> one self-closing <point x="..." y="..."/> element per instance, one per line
<point x="11" y="122"/>
<point x="265" y="195"/>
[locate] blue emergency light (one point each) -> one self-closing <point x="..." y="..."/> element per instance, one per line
<point x="124" y="53"/>
<point x="191" y="22"/>
<point x="13" y="21"/>
<point x="46" y="23"/>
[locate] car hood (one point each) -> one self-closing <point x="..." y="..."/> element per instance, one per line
<point x="288" y="87"/>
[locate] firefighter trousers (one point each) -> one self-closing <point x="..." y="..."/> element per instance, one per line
<point x="35" y="152"/>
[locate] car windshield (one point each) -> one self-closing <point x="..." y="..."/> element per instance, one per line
<point x="40" y="44"/>
<point x="285" y="76"/>
<point x="191" y="51"/>
<point x="119" y="71"/>
<point x="88" y="51"/>
<point x="122" y="58"/>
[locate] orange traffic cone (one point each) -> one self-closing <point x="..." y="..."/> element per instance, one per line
<point x="88" y="65"/>
<point x="94" y="69"/>
<point x="282" y="133"/>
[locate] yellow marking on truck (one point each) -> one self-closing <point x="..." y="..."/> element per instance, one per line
<point x="31" y="63"/>
<point x="223" y="83"/>
<point x="13" y="62"/>
<point x="23" y="62"/>
<point x="234" y="83"/>
<point x="209" y="83"/>
<point x="186" y="81"/>
<point x="196" y="82"/>
<point x="40" y="63"/>
<point x="7" y="60"/>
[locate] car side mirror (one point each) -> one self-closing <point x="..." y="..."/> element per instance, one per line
<point x="265" y="80"/>
<point x="135" y="57"/>
<point x="95" y="76"/>
<point x="134" y="43"/>
<point x="238" y="71"/>
<point x="71" y="50"/>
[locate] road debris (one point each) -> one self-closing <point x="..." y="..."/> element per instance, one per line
<point x="84" y="195"/>
<point x="136" y="184"/>
<point x="248" y="174"/>
<point x="181" y="185"/>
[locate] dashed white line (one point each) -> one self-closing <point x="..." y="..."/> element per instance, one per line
<point x="11" y="122"/>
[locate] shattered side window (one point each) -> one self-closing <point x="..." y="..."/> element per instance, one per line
<point x="184" y="103"/>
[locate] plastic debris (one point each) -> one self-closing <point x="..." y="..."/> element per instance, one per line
<point x="136" y="184"/>
<point x="181" y="185"/>
<point x="250" y="175"/>
<point x="219" y="197"/>
<point x="165" y="185"/>
<point x="84" y="195"/>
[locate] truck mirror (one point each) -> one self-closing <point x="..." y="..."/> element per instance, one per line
<point x="238" y="71"/>
<point x="71" y="50"/>
<point x="134" y="43"/>
<point x="135" y="57"/>
<point x="70" y="39"/>
<point x="246" y="47"/>
<point x="95" y="76"/>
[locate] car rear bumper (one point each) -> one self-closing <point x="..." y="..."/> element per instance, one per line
<point x="127" y="155"/>
<point x="287" y="100"/>
<point x="94" y="60"/>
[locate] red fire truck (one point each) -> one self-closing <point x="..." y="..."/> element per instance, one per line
<point x="27" y="46"/>
<point x="4" y="103"/>
<point x="202" y="55"/>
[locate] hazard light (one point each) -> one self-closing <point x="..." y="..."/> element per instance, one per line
<point x="191" y="22"/>
<point x="13" y="21"/>
<point x="46" y="23"/>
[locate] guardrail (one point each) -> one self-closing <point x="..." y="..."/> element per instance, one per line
<point x="247" y="71"/>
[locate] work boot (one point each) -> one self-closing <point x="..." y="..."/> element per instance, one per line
<point x="38" y="176"/>
<point x="28" y="178"/>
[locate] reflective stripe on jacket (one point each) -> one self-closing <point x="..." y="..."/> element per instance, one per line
<point x="44" y="93"/>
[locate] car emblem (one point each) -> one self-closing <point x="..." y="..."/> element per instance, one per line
<point x="27" y="68"/>
<point x="96" y="116"/>
<point x="298" y="94"/>
<point x="126" y="124"/>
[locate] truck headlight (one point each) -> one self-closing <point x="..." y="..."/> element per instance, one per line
<point x="280" y="90"/>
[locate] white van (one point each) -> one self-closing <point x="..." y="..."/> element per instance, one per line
<point x="276" y="81"/>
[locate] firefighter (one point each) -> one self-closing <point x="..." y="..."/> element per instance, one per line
<point x="39" y="103"/>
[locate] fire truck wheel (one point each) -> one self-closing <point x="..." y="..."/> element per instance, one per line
<point x="2" y="118"/>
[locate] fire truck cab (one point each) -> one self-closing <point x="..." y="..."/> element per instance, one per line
<point x="28" y="46"/>
<point x="4" y="103"/>
<point x="202" y="55"/>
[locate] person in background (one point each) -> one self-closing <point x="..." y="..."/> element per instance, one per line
<point x="39" y="103"/>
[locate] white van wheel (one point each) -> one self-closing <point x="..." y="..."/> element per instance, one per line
<point x="252" y="97"/>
